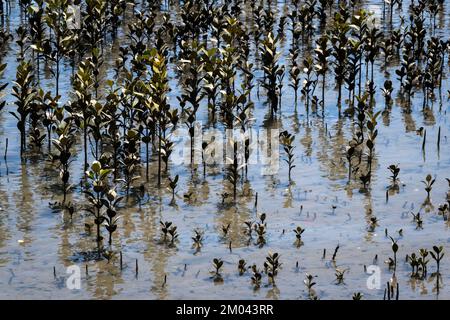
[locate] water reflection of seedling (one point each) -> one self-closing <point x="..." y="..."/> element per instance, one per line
<point x="248" y="228"/>
<point x="109" y="255"/>
<point x="188" y="196"/>
<point x="442" y="210"/>
<point x="373" y="223"/>
<point x="225" y="229"/>
<point x="365" y="179"/>
<point x="391" y="291"/>
<point x="418" y="220"/>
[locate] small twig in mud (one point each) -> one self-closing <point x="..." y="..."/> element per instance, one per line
<point x="6" y="149"/>
<point x="121" y="264"/>
<point x="439" y="139"/>
<point x="335" y="253"/>
<point x="137" y="267"/>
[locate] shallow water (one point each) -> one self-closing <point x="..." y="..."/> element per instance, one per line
<point x="34" y="239"/>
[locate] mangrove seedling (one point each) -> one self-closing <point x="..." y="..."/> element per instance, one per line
<point x="294" y="72"/>
<point x="271" y="265"/>
<point x="2" y="85"/>
<point x="298" y="235"/>
<point x="357" y="296"/>
<point x="97" y="180"/>
<point x="423" y="261"/>
<point x="437" y="254"/>
<point x="414" y="263"/>
<point x="234" y="166"/>
<point x="372" y="133"/>
<point x="269" y="59"/>
<point x="242" y="267"/>
<point x="322" y="54"/>
<point x="298" y="232"/>
<point x="428" y="182"/>
<point x="63" y="145"/>
<point x="394" y="248"/>
<point x="260" y="229"/>
<point x="25" y="93"/>
<point x="256" y="277"/>
<point x="168" y="229"/>
<point x="350" y="150"/>
<point x="339" y="273"/>
<point x="130" y="159"/>
<point x="309" y="84"/>
<point x="387" y="91"/>
<point x="217" y="265"/>
<point x="309" y="283"/>
<point x="198" y="239"/>
<point x="287" y="140"/>
<point x="110" y="202"/>
<point x="395" y="170"/>
<point x="390" y="263"/>
<point x="172" y="185"/>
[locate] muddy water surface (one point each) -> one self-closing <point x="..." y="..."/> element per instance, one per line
<point x="34" y="239"/>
